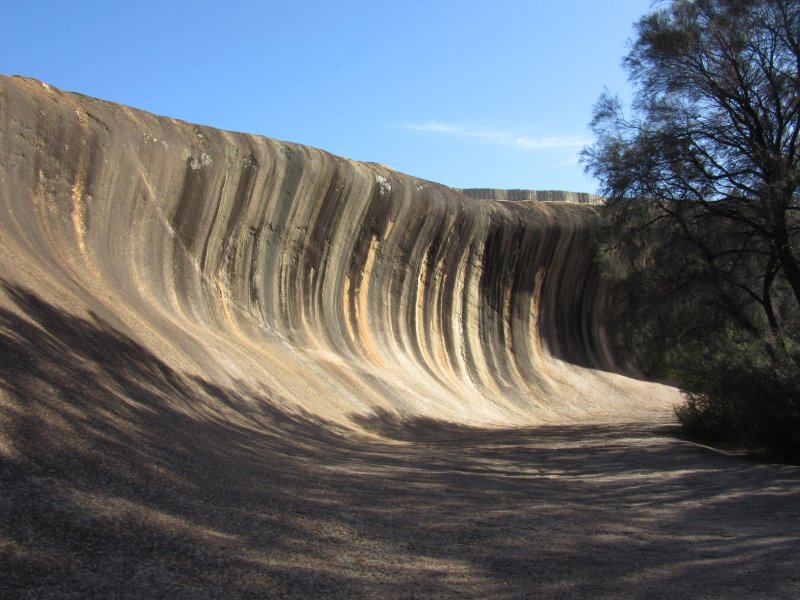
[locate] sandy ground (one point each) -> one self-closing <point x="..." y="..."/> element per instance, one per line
<point x="111" y="487"/>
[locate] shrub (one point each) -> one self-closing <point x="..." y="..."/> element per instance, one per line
<point x="745" y="394"/>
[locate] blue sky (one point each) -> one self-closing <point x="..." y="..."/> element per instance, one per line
<point x="469" y="94"/>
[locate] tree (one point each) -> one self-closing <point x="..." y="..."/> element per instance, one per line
<point x="714" y="141"/>
<point x="704" y="211"/>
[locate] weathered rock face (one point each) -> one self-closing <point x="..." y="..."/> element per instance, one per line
<point x="531" y="195"/>
<point x="340" y="287"/>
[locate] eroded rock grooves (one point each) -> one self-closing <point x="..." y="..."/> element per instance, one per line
<point x="232" y="367"/>
<point x="344" y="286"/>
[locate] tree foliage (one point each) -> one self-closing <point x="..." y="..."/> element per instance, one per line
<point x="702" y="180"/>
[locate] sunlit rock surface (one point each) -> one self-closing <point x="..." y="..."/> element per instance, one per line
<point x="232" y="367"/>
<point x="334" y="287"/>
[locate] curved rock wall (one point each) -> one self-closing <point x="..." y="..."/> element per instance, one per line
<point x="341" y="287"/>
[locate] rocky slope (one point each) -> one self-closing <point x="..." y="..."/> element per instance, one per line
<point x="232" y="367"/>
<point x="342" y="287"/>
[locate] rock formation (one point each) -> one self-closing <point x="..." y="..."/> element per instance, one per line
<point x="232" y="367"/>
<point x="341" y="287"/>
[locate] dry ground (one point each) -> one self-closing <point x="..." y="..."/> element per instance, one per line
<point x="113" y="484"/>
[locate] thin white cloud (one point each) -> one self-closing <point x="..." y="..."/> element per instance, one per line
<point x="502" y="137"/>
<point x="434" y="126"/>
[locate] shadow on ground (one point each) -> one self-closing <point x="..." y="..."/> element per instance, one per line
<point x="121" y="477"/>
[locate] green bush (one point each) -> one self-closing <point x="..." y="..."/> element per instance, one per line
<point x="741" y="394"/>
